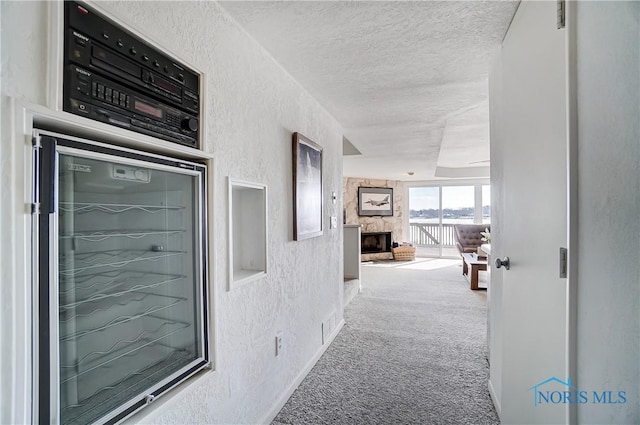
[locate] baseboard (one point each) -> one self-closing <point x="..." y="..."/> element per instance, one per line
<point x="271" y="414"/>
<point x="494" y="398"/>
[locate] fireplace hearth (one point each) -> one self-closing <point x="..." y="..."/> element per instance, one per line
<point x="375" y="242"/>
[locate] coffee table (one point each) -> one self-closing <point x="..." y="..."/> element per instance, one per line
<point x="471" y="265"/>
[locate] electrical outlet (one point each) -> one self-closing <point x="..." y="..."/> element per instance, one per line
<point x="278" y="343"/>
<point x="334" y="222"/>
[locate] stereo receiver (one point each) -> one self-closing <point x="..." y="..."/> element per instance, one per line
<point x="113" y="76"/>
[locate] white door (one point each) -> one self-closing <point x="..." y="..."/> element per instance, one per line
<point x="528" y="303"/>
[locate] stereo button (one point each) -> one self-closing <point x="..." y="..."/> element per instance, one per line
<point x="83" y="88"/>
<point x="119" y="43"/>
<point x="116" y="96"/>
<point x="79" y="106"/>
<point x="190" y="124"/>
<point x="133" y="50"/>
<point x="147" y="76"/>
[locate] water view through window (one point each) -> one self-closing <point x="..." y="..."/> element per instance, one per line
<point x="434" y="210"/>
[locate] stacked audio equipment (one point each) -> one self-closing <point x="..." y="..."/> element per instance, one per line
<point x="113" y="76"/>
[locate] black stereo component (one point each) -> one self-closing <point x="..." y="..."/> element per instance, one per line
<point x="113" y="76"/>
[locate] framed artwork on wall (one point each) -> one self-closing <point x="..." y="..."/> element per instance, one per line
<point x="375" y="201"/>
<point x="307" y="188"/>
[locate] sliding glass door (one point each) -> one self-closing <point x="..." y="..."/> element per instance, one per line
<point x="458" y="207"/>
<point x="424" y="220"/>
<point x="434" y="210"/>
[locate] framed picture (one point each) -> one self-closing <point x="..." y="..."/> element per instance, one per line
<point x="375" y="201"/>
<point x="307" y="188"/>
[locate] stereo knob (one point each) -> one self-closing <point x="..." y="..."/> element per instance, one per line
<point x="190" y="124"/>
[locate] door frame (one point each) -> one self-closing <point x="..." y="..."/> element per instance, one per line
<point x="572" y="200"/>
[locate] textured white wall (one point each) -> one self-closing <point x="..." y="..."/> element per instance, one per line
<point x="253" y="107"/>
<point x="608" y="53"/>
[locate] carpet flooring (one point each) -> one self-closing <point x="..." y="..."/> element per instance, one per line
<point x="412" y="351"/>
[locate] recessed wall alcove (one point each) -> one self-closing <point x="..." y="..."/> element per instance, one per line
<point x="247" y="231"/>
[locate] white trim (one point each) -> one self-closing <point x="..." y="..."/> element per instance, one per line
<point x="212" y="255"/>
<point x="447" y="182"/>
<point x="17" y="270"/>
<point x="74" y="125"/>
<point x="275" y="409"/>
<point x="55" y="64"/>
<point x="495" y="399"/>
<point x="572" y="203"/>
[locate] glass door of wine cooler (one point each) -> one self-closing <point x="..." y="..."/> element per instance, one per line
<point x="122" y="313"/>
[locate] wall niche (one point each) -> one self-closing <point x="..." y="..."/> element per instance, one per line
<point x="247" y="231"/>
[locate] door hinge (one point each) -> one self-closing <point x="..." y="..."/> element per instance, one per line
<point x="561" y="17"/>
<point x="35" y="208"/>
<point x="563" y="263"/>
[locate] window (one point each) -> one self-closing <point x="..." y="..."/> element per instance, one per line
<point x="486" y="204"/>
<point x="434" y="210"/>
<point x="424" y="219"/>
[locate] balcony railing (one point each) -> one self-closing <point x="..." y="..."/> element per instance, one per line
<point x="428" y="234"/>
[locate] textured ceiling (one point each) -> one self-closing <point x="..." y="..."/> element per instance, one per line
<point x="407" y="80"/>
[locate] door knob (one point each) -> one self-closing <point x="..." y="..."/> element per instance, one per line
<point x="503" y="263"/>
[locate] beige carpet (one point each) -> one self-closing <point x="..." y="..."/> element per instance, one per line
<point x="413" y="351"/>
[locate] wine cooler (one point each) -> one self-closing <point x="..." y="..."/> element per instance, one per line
<point x="121" y="281"/>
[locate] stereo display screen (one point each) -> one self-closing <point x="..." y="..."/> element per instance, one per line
<point x="147" y="109"/>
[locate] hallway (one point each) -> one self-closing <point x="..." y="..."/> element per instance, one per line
<point x="413" y="351"/>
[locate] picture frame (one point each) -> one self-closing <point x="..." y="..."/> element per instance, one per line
<point x="375" y="201"/>
<point x="307" y="188"/>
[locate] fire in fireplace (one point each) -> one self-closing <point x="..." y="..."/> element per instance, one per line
<point x="375" y="242"/>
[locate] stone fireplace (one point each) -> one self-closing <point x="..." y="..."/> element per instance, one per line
<point x="392" y="226"/>
<point x="375" y="242"/>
